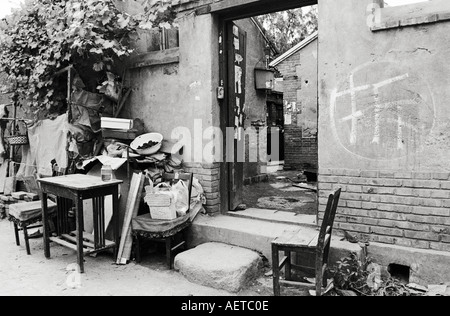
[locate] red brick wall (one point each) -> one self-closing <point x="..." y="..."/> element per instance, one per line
<point x="300" y="152"/>
<point x="409" y="209"/>
<point x="209" y="177"/>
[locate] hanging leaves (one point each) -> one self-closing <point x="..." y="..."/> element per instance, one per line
<point x="48" y="35"/>
<point x="122" y="21"/>
<point x="288" y="28"/>
<point x="99" y="66"/>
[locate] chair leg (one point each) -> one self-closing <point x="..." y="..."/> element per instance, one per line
<point x="276" y="270"/>
<point x="138" y="249"/>
<point x="27" y="240"/>
<point x="325" y="279"/>
<point x="319" y="277"/>
<point x="185" y="239"/>
<point x="16" y="233"/>
<point x="319" y="285"/>
<point x="169" y="252"/>
<point x="287" y="270"/>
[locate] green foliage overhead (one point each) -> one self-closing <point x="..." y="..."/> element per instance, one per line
<point x="48" y="35"/>
<point x="288" y="28"/>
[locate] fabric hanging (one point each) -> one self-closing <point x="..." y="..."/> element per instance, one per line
<point x="3" y="113"/>
<point x="48" y="141"/>
<point x="27" y="168"/>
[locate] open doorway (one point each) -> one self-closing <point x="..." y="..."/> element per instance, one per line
<point x="274" y="113"/>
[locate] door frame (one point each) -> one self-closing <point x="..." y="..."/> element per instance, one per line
<point x="226" y="13"/>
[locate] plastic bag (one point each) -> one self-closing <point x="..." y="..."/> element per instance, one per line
<point x="181" y="190"/>
<point x="198" y="199"/>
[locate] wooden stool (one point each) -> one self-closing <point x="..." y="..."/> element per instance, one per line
<point x="144" y="227"/>
<point x="24" y="215"/>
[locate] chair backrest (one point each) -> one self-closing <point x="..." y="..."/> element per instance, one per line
<point x="57" y="170"/>
<point x="326" y="228"/>
<point x="324" y="241"/>
<point x="35" y="187"/>
<point x="187" y="177"/>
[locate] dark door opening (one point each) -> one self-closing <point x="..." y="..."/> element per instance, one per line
<point x="240" y="112"/>
<point x="275" y="130"/>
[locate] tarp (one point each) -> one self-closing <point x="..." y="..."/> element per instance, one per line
<point x="86" y="108"/>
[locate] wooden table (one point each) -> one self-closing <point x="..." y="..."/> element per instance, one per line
<point x="71" y="191"/>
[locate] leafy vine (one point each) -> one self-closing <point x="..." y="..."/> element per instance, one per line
<point x="48" y="35"/>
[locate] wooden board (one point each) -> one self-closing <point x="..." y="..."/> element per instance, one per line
<point x="134" y="197"/>
<point x="298" y="238"/>
<point x="89" y="239"/>
<point x="73" y="239"/>
<point x="67" y="244"/>
<point x="70" y="241"/>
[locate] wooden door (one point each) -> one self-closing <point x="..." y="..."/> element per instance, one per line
<point x="236" y="64"/>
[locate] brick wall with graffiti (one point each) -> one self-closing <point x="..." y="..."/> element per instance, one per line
<point x="384" y="125"/>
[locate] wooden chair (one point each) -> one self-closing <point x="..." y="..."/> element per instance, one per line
<point x="144" y="227"/>
<point x="314" y="251"/>
<point x="28" y="215"/>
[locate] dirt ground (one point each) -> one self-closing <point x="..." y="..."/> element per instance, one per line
<point x="279" y="193"/>
<point x="23" y="275"/>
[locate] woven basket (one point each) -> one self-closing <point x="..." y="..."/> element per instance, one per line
<point x="17" y="140"/>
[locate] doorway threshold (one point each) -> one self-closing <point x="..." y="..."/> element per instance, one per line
<point x="276" y="216"/>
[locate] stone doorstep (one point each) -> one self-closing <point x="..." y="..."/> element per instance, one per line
<point x="274" y="216"/>
<point x="427" y="266"/>
<point x="220" y="266"/>
<point x="257" y="235"/>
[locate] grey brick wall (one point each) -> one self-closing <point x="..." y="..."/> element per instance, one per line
<point x="409" y="209"/>
<point x="300" y="152"/>
<point x="209" y="177"/>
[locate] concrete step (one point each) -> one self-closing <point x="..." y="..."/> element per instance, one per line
<point x="274" y="216"/>
<point x="219" y="266"/>
<point x="257" y="235"/>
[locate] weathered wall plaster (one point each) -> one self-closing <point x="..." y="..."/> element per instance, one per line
<point x="383" y="126"/>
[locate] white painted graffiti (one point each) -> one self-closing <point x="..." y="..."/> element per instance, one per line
<point x="357" y="114"/>
<point x="382" y="114"/>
